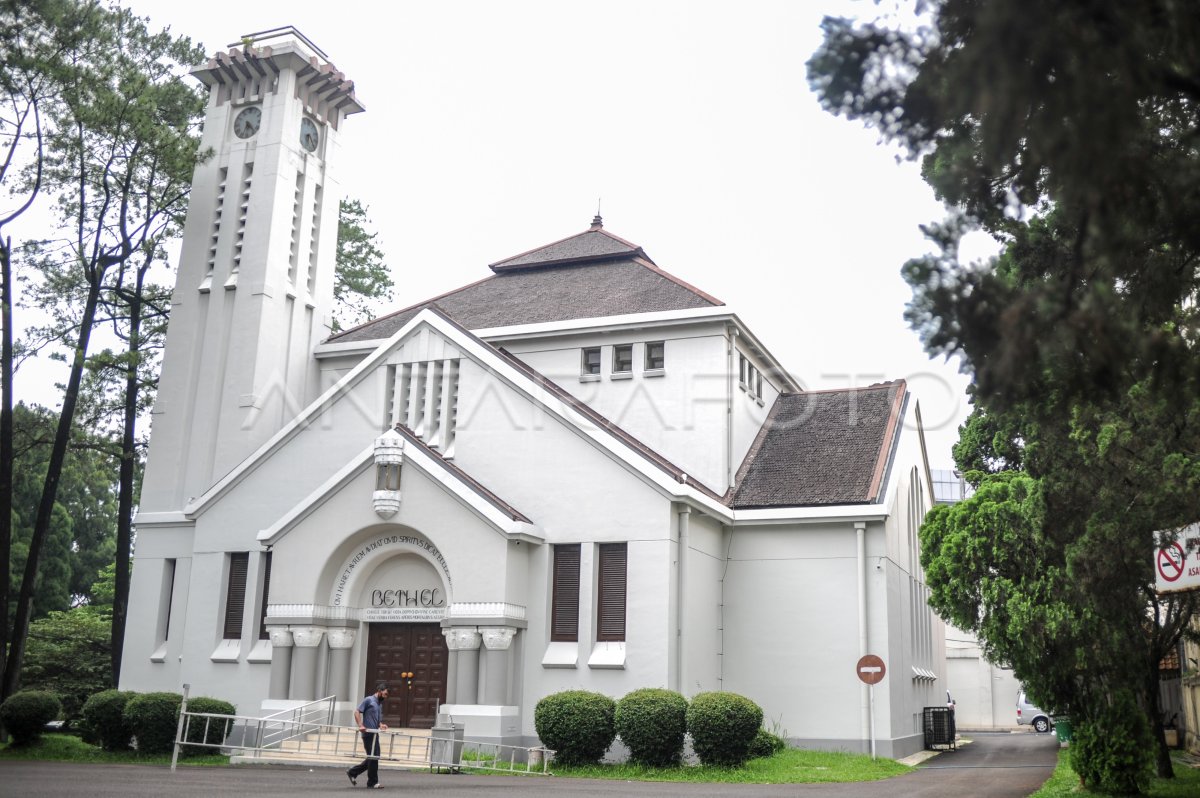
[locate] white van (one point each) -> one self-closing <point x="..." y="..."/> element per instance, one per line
<point x="1029" y="715"/>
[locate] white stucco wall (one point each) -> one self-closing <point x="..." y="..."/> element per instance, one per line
<point x="680" y="414"/>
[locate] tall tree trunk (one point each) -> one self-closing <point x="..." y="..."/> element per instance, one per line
<point x="6" y="445"/>
<point x="41" y="527"/>
<point x="1162" y="755"/>
<point x="125" y="492"/>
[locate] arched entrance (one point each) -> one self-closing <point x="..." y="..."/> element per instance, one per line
<point x="412" y="658"/>
<point x="397" y="583"/>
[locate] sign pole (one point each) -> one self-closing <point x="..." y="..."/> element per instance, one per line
<point x="871" y="670"/>
<point x="871" y="701"/>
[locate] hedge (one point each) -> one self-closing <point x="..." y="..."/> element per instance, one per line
<point x="25" y="714"/>
<point x="104" y="719"/>
<point x="153" y="718"/>
<point x="723" y="726"/>
<point x="216" y="729"/>
<point x="653" y="722"/>
<point x="576" y="724"/>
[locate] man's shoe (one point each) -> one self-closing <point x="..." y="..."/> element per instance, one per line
<point x="376" y="786"/>
<point x="353" y="781"/>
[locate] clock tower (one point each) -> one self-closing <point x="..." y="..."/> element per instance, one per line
<point x="254" y="290"/>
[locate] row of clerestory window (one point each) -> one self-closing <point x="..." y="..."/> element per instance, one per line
<point x="654" y="360"/>
<point x="611" y="569"/>
<point x="749" y="377"/>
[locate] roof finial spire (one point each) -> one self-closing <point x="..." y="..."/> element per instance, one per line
<point x="597" y="221"/>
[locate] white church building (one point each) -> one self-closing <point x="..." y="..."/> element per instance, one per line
<point x="579" y="472"/>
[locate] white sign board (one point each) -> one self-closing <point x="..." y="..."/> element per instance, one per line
<point x="1177" y="564"/>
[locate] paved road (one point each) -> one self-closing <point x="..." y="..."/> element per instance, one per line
<point x="994" y="766"/>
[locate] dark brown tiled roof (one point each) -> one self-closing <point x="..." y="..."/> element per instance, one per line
<point x="590" y="245"/>
<point x="822" y="448"/>
<point x="536" y="287"/>
<point x="411" y="439"/>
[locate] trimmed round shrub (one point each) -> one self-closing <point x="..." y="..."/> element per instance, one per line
<point x="153" y="718"/>
<point x="1111" y="747"/>
<point x="766" y="744"/>
<point x="25" y="714"/>
<point x="576" y="724"/>
<point x="653" y="722"/>
<point x="104" y="719"/>
<point x="723" y="726"/>
<point x="197" y="729"/>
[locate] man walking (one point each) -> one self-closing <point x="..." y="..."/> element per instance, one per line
<point x="369" y="718"/>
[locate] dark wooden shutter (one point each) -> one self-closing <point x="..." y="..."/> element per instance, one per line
<point x="610" y="616"/>
<point x="262" y="622"/>
<point x="235" y="597"/>
<point x="564" y="612"/>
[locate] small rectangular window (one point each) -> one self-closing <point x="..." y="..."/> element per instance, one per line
<point x="591" y="361"/>
<point x="751" y="375"/>
<point x="743" y="366"/>
<point x="235" y="595"/>
<point x="168" y="595"/>
<point x="564" y="610"/>
<point x="656" y="358"/>
<point x="266" y="590"/>
<point x="758" y="384"/>
<point x="610" y="599"/>
<point x="623" y="359"/>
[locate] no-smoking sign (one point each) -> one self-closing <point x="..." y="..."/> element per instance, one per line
<point x="1170" y="562"/>
<point x="1177" y="562"/>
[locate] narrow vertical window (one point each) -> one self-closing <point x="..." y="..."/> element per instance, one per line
<point x="656" y="356"/>
<point x="622" y="359"/>
<point x="758" y="384"/>
<point x="168" y="594"/>
<point x="591" y="361"/>
<point x="610" y="601"/>
<point x="742" y="366"/>
<point x="235" y="595"/>
<point x="266" y="591"/>
<point x="564" y="612"/>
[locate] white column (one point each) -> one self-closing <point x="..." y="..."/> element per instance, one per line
<point x="304" y="662"/>
<point x="497" y="642"/>
<point x="341" y="640"/>
<point x="463" y="642"/>
<point x="281" y="661"/>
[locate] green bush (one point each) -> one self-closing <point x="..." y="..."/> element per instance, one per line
<point x="576" y="724"/>
<point x="1111" y="747"/>
<point x="25" y="714"/>
<point x="215" y="728"/>
<point x="723" y="726"/>
<point x="104" y="720"/>
<point x="153" y="719"/>
<point x="766" y="743"/>
<point x="653" y="722"/>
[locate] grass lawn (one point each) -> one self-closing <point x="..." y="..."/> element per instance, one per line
<point x="68" y="748"/>
<point x="790" y="766"/>
<point x="1065" y="781"/>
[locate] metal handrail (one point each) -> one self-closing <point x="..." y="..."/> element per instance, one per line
<point x="288" y="724"/>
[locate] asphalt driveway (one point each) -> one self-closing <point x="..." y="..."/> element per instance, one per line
<point x="993" y="766"/>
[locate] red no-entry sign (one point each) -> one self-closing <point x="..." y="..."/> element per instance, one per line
<point x="870" y="669"/>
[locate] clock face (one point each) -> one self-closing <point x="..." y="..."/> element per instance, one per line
<point x="247" y="122"/>
<point x="309" y="135"/>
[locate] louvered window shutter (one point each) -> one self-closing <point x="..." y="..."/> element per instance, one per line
<point x="610" y="620"/>
<point x="235" y="598"/>
<point x="564" y="613"/>
<point x="262" y="622"/>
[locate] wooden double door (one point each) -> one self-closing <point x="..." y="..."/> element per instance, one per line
<point x="397" y="649"/>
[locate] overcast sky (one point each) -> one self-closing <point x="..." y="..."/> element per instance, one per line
<point x="494" y="127"/>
